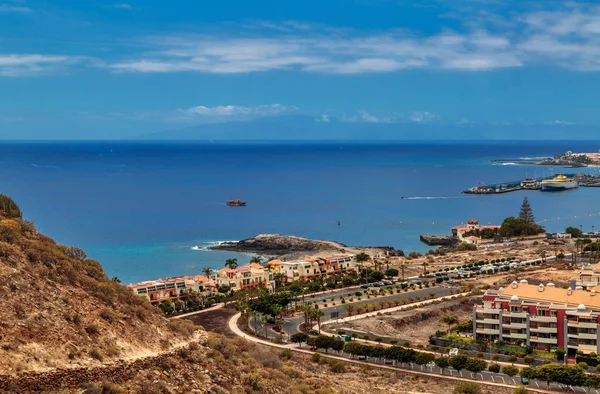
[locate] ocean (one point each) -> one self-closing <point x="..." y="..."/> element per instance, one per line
<point x="141" y="208"/>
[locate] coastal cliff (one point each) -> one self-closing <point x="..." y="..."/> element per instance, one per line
<point x="290" y="246"/>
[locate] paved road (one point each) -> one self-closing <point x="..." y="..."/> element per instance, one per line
<point x="291" y="323"/>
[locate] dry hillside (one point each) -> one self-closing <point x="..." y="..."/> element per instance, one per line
<point x="59" y="308"/>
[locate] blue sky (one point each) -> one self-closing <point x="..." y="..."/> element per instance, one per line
<point x="102" y="70"/>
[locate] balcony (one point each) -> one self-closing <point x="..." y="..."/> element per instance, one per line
<point x="582" y="335"/>
<point x="582" y="324"/>
<point x="514" y="325"/>
<point x="543" y="340"/>
<point x="515" y="335"/>
<point x="487" y="321"/>
<point x="545" y="319"/>
<point x="522" y="315"/>
<point x="481" y="309"/>
<point x="584" y="348"/>
<point x="550" y="330"/>
<point x="487" y="331"/>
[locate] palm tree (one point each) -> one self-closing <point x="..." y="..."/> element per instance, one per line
<point x="306" y="308"/>
<point x="255" y="315"/>
<point x="231" y="263"/>
<point x="277" y="309"/>
<point x="449" y="320"/>
<point x="265" y="319"/>
<point x="387" y="264"/>
<point x="402" y="268"/>
<point x="316" y="314"/>
<point x="256" y="259"/>
<point x="350" y="308"/>
<point x="207" y="271"/>
<point x="425" y="265"/>
<point x="543" y="255"/>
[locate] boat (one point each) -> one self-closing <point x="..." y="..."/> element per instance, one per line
<point x="530" y="184"/>
<point x="560" y="182"/>
<point x="236" y="203"/>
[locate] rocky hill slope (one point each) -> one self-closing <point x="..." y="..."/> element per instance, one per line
<point x="60" y="309"/>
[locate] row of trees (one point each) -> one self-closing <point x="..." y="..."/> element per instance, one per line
<point x="549" y="373"/>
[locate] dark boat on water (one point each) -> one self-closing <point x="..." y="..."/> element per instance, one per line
<point x="236" y="203"/>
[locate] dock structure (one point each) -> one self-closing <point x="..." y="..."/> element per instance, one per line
<point x="506" y="187"/>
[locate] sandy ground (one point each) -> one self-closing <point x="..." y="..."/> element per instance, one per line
<point x="416" y="325"/>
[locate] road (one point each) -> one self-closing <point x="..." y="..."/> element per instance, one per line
<point x="291" y="323"/>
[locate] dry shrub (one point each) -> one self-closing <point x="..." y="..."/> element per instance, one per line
<point x="266" y="357"/>
<point x="252" y="380"/>
<point x="92" y="329"/>
<point x="182" y="326"/>
<point x="337" y="367"/>
<point x="107" y="315"/>
<point x="95" y="354"/>
<point x="242" y="344"/>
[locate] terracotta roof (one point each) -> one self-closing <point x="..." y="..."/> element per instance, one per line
<point x="274" y="262"/>
<point x="226" y="270"/>
<point x="472" y="237"/>
<point x="527" y="292"/>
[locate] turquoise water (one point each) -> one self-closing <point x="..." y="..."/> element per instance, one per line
<point x="140" y="207"/>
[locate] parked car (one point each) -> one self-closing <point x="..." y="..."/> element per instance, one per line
<point x="386" y="282"/>
<point x="366" y="286"/>
<point x="524" y="380"/>
<point x="362" y="358"/>
<point x="388" y="362"/>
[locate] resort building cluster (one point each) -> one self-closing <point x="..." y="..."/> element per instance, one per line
<point x="543" y="315"/>
<point x="249" y="276"/>
<point x="466" y="233"/>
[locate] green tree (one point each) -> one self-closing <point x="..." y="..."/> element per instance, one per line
<point x="390" y="272"/>
<point x="362" y="257"/>
<point x="517" y="227"/>
<point x="527" y="372"/>
<point x="256" y="260"/>
<point x="449" y="320"/>
<point x="510" y="370"/>
<point x="458" y="362"/>
<point x="475" y="365"/>
<point x="495" y="368"/>
<point x="299" y="338"/>
<point x="375" y="276"/>
<point x="166" y="307"/>
<point x="231" y="263"/>
<point x="526" y="213"/>
<point x="208" y="272"/>
<point x="442" y="363"/>
<point x="574" y="231"/>
<point x="8" y="208"/>
<point x="403" y="267"/>
<point x="423" y="358"/>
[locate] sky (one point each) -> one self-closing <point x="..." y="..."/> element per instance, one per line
<point x="91" y="69"/>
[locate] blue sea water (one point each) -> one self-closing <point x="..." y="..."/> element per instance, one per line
<point x="140" y="207"/>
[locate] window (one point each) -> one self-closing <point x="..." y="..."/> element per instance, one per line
<point x="542" y="312"/>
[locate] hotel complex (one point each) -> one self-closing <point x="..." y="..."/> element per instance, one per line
<point x="543" y="316"/>
<point x="249" y="276"/>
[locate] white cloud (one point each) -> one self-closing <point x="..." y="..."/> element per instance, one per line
<point x="225" y="113"/>
<point x="367" y="117"/>
<point x="323" y="52"/>
<point x="565" y="35"/>
<point x="14" y="9"/>
<point x="423" y="116"/>
<point x="323" y="118"/>
<point x="15" y="65"/>
<point x="560" y="123"/>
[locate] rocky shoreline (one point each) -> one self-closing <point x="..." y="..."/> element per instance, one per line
<point x="441" y="240"/>
<point x="277" y="245"/>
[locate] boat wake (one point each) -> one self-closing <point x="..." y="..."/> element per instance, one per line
<point x="428" y="198"/>
<point x="38" y="166"/>
<point x="206" y="245"/>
